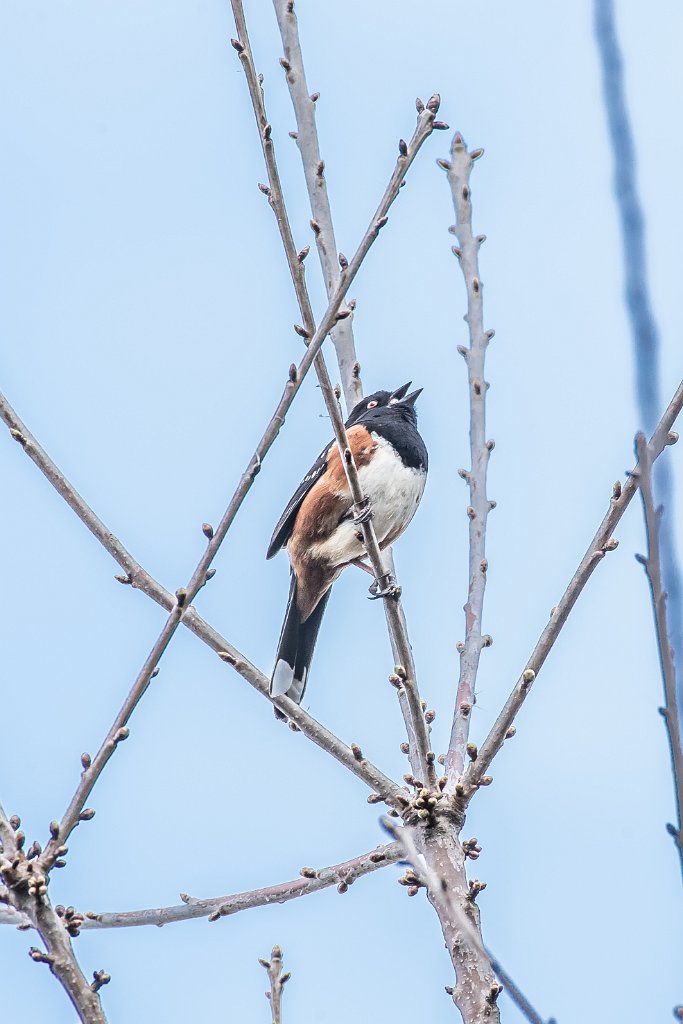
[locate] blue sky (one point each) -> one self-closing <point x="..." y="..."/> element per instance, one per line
<point x="146" y="315"/>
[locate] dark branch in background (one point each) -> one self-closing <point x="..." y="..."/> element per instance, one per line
<point x="422" y="759"/>
<point x="643" y="326"/>
<point x="312" y="880"/>
<point x="277" y="981"/>
<point x="306" y="137"/>
<point x="601" y="544"/>
<point x="517" y="997"/>
<point x="137" y="577"/>
<point x="467" y="252"/>
<point x="653" y="570"/>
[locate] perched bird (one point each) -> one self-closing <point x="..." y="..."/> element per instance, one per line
<point x="320" y="531"/>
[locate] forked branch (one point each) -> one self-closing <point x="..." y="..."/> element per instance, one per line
<point x="601" y="544"/>
<point x="26" y="893"/>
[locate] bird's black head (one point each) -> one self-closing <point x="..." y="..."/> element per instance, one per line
<point x="378" y="404"/>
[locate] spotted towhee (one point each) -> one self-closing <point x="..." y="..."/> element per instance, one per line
<point x="319" y="529"/>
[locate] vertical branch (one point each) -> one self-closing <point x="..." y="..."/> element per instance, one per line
<point x="443" y="875"/>
<point x="467" y="252"/>
<point x="306" y="137"/>
<point x="653" y="570"/>
<point x="277" y="980"/>
<point x="422" y="759"/>
<point x="644" y="329"/>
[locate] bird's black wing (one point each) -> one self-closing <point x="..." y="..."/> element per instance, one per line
<point x="283" y="530"/>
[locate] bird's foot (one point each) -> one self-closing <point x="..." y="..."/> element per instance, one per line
<point x="363" y="512"/>
<point x="385" y="587"/>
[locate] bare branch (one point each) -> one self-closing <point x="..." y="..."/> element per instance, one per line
<point x="601" y="544"/>
<point x="316" y="184"/>
<point x="644" y="329"/>
<point x="443" y="875"/>
<point x="26" y="894"/>
<point x="277" y="982"/>
<point x="467" y="252"/>
<point x="652" y="564"/>
<point x="307" y="140"/>
<point x="422" y="760"/>
<point x="140" y="579"/>
<point x="312" y="880"/>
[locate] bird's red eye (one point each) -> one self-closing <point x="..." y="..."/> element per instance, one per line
<point x="372" y="405"/>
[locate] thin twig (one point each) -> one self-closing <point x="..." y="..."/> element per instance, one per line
<point x="316" y="183"/>
<point x="467" y="252"/>
<point x="312" y="880"/>
<point x="516" y="995"/>
<point x="652" y="563"/>
<point x="277" y="981"/>
<point x="342" y="875"/>
<point x="422" y="760"/>
<point x="601" y="544"/>
<point x="137" y="576"/>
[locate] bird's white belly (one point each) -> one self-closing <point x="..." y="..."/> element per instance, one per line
<point x="394" y="491"/>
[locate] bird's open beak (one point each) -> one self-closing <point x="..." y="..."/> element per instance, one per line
<point x="412" y="398"/>
<point x="399" y="393"/>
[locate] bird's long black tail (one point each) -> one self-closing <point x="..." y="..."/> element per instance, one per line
<point x="295" y="648"/>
